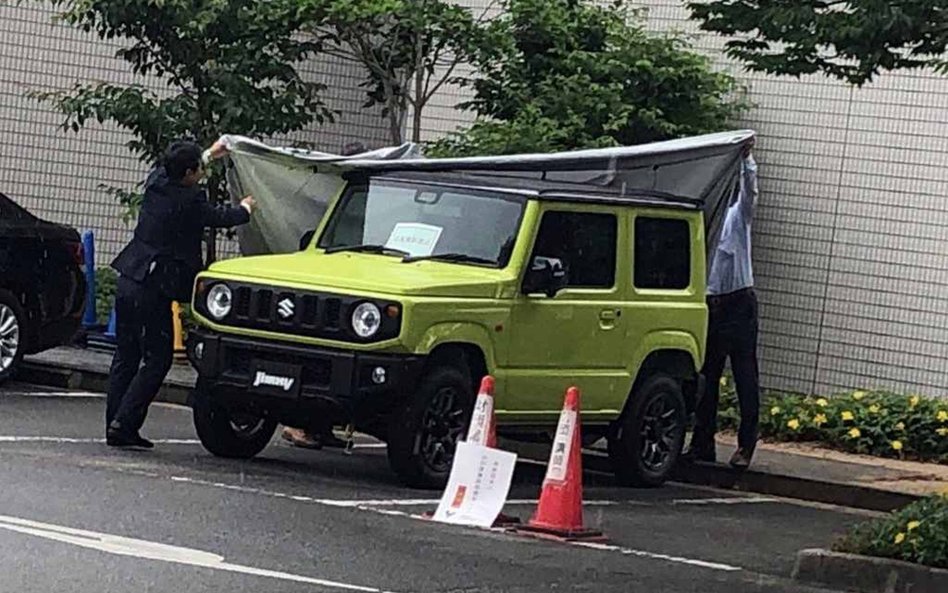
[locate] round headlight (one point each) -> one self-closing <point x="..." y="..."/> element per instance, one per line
<point x="219" y="301"/>
<point x="366" y="320"/>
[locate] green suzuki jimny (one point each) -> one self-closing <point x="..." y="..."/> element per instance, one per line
<point x="416" y="285"/>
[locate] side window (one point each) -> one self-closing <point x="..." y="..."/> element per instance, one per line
<point x="662" y="253"/>
<point x="585" y="242"/>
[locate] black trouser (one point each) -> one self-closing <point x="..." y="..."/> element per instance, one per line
<point x="732" y="333"/>
<point x="144" y="332"/>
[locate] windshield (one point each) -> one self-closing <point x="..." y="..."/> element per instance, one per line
<point x="418" y="221"/>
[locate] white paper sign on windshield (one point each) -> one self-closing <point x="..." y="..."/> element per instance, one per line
<point x="414" y="238"/>
<point x="478" y="486"/>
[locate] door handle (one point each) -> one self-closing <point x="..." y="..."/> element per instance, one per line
<point x="607" y="318"/>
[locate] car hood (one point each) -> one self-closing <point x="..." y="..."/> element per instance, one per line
<point x="367" y="273"/>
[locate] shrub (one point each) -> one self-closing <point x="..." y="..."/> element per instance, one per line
<point x="568" y="74"/>
<point x="880" y="423"/>
<point x="918" y="533"/>
<point x="105" y="286"/>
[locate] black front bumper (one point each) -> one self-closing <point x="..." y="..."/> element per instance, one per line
<point x="334" y="383"/>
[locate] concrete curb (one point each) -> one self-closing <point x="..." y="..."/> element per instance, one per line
<point x="704" y="474"/>
<point x="824" y="491"/>
<point x="87" y="380"/>
<point x="867" y="574"/>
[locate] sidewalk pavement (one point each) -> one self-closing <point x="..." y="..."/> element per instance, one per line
<point x="793" y="470"/>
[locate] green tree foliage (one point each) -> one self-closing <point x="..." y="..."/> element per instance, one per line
<point x="566" y="74"/>
<point x="852" y="40"/>
<point x="229" y="66"/>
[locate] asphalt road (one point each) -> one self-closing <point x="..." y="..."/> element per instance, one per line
<point x="76" y="516"/>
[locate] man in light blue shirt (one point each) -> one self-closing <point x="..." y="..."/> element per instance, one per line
<point x="732" y="326"/>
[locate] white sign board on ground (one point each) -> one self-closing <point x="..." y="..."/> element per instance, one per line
<point x="478" y="487"/>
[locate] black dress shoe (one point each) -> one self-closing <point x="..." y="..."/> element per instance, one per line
<point x="742" y="458"/>
<point x="696" y="453"/>
<point x="115" y="438"/>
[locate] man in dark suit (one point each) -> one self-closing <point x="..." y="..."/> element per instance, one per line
<point x="158" y="266"/>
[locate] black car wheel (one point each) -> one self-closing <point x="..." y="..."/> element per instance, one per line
<point x="230" y="434"/>
<point x="649" y="437"/>
<point x="424" y="435"/>
<point x="12" y="331"/>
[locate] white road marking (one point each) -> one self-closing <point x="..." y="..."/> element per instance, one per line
<point x="137" y="548"/>
<point x="373" y="506"/>
<point x="83" y="440"/>
<point x="654" y="556"/>
<point x="727" y="500"/>
<point x="415" y="502"/>
<point x="59" y="394"/>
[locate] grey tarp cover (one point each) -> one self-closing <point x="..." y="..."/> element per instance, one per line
<point x="293" y="187"/>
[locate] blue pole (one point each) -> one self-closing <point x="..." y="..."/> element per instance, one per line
<point x="110" y="331"/>
<point x="89" y="319"/>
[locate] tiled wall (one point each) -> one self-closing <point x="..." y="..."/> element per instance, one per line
<point x="850" y="254"/>
<point x="57" y="175"/>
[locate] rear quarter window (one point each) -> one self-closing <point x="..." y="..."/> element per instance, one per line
<point x="662" y="256"/>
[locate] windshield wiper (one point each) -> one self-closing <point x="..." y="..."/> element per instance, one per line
<point x="368" y="248"/>
<point x="452" y="257"/>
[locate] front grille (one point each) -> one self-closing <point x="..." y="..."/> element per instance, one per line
<point x="298" y="312"/>
<point x="331" y="318"/>
<point x="263" y="308"/>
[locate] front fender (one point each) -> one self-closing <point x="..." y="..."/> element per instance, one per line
<point x="458" y="333"/>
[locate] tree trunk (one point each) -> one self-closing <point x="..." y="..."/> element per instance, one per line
<point x="395" y="122"/>
<point x="418" y="103"/>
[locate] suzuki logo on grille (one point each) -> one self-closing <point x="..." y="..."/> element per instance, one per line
<point x="286" y="308"/>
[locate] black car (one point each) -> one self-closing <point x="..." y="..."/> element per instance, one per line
<point x="42" y="286"/>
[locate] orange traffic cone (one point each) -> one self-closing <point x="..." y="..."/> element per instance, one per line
<point x="483" y="428"/>
<point x="483" y="431"/>
<point x="560" y="511"/>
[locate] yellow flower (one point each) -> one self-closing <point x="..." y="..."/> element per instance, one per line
<point x="820" y="419"/>
<point x="942" y="431"/>
<point x="874" y="408"/>
<point x="913" y="525"/>
<point x="900" y="426"/>
<point x="793" y="424"/>
<point x="774" y="410"/>
<point x="855" y="433"/>
<point x="822" y="402"/>
<point x="897" y="445"/>
<point x="899" y="538"/>
<point x="914" y="401"/>
<point x="848" y="416"/>
<point x="858" y="395"/>
<point x="942" y="416"/>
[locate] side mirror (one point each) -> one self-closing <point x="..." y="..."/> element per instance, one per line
<point x="306" y="239"/>
<point x="547" y="275"/>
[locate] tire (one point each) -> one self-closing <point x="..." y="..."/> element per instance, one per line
<point x="423" y="436"/>
<point x="230" y="435"/>
<point x="13" y="333"/>
<point x="649" y="437"/>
